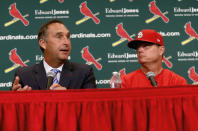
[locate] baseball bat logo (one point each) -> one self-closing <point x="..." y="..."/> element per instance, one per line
<point x="43" y="1"/>
<point x="190" y="31"/>
<point x="122" y="33"/>
<point x="89" y="58"/>
<point x="157" y="13"/>
<point x="16" y="60"/>
<point x="167" y="62"/>
<point x="17" y="16"/>
<point x="84" y="10"/>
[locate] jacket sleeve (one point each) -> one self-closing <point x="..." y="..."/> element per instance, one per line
<point x="89" y="81"/>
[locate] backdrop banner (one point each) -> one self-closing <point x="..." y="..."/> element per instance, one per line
<point x="103" y="27"/>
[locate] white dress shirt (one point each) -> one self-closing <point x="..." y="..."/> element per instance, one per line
<point x="48" y="69"/>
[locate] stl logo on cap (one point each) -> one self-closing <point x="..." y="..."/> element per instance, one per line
<point x="140" y="35"/>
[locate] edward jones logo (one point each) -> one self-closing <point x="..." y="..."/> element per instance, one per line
<point x="185" y="12"/>
<point x="187" y="56"/>
<point x="121" y="58"/>
<point x="16" y="60"/>
<point x="157" y="13"/>
<point x="121" y="12"/>
<point x="84" y="10"/>
<point x="51" y="14"/>
<point x="17" y="16"/>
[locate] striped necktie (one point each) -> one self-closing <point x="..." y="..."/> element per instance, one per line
<point x="56" y="72"/>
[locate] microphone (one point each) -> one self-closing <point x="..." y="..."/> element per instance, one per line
<point x="50" y="78"/>
<point x="151" y="77"/>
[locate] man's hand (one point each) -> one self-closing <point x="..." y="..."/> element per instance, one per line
<point x="57" y="87"/>
<point x="17" y="87"/>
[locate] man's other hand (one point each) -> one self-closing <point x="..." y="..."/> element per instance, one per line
<point x="57" y="87"/>
<point x="17" y="86"/>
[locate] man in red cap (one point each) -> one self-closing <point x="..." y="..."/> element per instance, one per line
<point x="150" y="49"/>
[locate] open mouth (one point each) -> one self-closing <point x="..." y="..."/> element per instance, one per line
<point x="64" y="50"/>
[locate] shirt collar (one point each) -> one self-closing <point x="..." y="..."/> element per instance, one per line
<point x="48" y="68"/>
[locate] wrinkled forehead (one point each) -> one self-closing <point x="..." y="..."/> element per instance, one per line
<point x="57" y="27"/>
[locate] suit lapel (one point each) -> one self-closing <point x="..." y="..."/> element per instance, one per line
<point x="66" y="74"/>
<point x="40" y="75"/>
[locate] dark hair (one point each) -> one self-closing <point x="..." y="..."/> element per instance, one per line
<point x="44" y="28"/>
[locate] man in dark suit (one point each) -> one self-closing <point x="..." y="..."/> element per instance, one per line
<point x="54" y="41"/>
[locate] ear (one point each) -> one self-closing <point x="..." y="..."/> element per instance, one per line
<point x="42" y="43"/>
<point x="162" y="50"/>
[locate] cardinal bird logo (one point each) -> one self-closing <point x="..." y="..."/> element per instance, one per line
<point x="87" y="12"/>
<point x="60" y="1"/>
<point x="122" y="73"/>
<point x="87" y="56"/>
<point x="190" y="31"/>
<point x="122" y="32"/>
<point x="14" y="57"/>
<point x="14" y="12"/>
<point x="192" y="74"/>
<point x="167" y="62"/>
<point x="156" y="11"/>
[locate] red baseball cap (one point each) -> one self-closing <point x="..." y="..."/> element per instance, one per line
<point x="147" y="36"/>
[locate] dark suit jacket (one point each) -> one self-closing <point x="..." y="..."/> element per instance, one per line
<point x="73" y="76"/>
